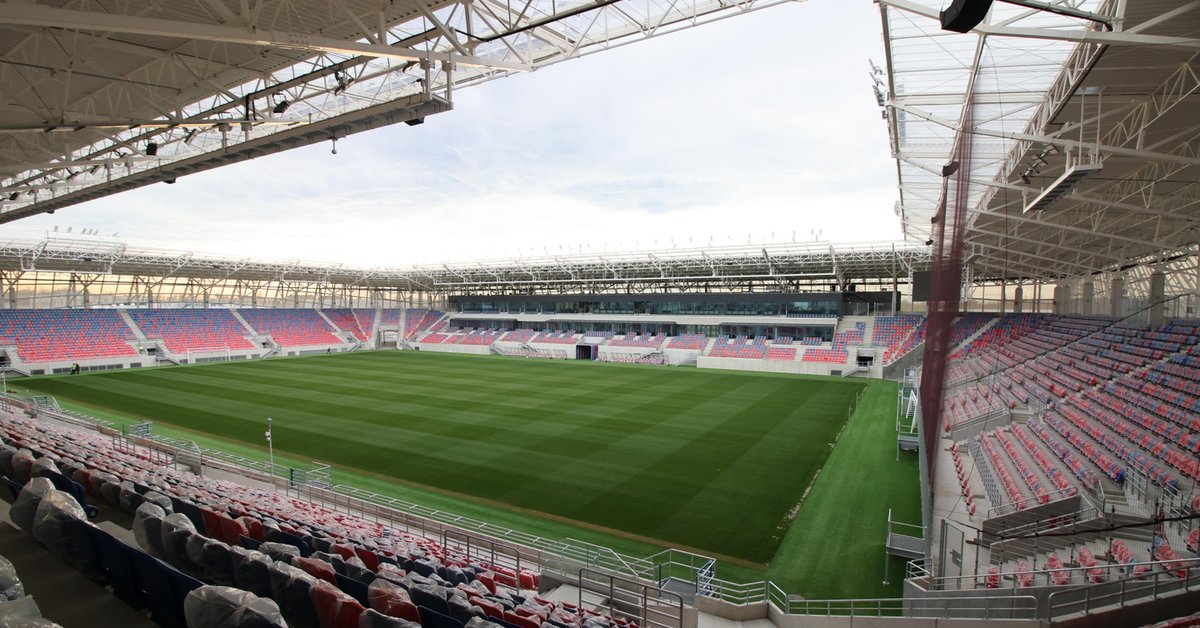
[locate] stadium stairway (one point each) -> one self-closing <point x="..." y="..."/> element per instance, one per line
<point x="329" y="321"/>
<point x="137" y="332"/>
<point x="971" y="337"/>
<point x="64" y="595"/>
<point x="251" y="331"/>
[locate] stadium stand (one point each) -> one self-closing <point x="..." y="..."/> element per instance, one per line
<point x="739" y="347"/>
<point x="654" y="341"/>
<point x="319" y="566"/>
<point x="786" y="354"/>
<point x="356" y="321"/>
<point x="183" y="330"/>
<point x="519" y="335"/>
<point x="690" y="342"/>
<point x="898" y="334"/>
<point x="390" y="317"/>
<point x="291" y="328"/>
<point x="416" y="321"/>
<point x="556" y="337"/>
<point x="50" y="335"/>
<point x="837" y="353"/>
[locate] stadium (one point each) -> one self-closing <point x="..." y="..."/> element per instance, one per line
<point x="993" y="420"/>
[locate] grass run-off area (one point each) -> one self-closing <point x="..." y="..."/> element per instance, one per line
<point x="626" y="456"/>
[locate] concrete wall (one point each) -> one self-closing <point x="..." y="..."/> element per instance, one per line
<point x="769" y="366"/>
<point x="467" y="349"/>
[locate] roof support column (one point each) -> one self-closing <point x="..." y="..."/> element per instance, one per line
<point x="1117" y="295"/>
<point x="1158" y="285"/>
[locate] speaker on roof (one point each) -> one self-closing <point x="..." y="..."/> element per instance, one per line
<point x="963" y="15"/>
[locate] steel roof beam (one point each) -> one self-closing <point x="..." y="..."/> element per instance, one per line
<point x="69" y="19"/>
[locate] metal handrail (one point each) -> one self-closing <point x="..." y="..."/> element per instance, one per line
<point x="1133" y="588"/>
<point x="1044" y="577"/>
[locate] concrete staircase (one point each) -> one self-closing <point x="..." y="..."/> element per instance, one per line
<point x="249" y="330"/>
<point x="137" y="332"/>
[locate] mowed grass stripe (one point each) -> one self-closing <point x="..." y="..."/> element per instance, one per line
<point x="710" y="460"/>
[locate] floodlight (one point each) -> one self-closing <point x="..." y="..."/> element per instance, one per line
<point x="1062" y="186"/>
<point x="281" y="106"/>
<point x="151" y="148"/>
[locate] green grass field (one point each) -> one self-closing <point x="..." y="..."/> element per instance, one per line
<point x="709" y="460"/>
<point x="615" y="431"/>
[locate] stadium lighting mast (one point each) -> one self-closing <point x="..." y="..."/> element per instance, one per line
<point x="271" y="451"/>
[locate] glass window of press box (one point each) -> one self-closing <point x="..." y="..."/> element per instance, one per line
<point x="681" y="306"/>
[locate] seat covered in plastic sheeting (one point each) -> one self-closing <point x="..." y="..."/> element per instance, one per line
<point x="291" y="588"/>
<point x="371" y="618"/>
<point x="22" y="466"/>
<point x="254" y="528"/>
<point x="66" y="485"/>
<point x="335" y="609"/>
<point x="110" y="491"/>
<point x="251" y="571"/>
<point x="225" y="607"/>
<point x="211" y="559"/>
<point x="160" y="500"/>
<point x="6" y="457"/>
<point x="355" y="568"/>
<point x="189" y="510"/>
<point x="287" y="538"/>
<point x="59" y="526"/>
<point x="10" y="584"/>
<point x="482" y="623"/>
<point x="176" y="530"/>
<point x="147" y="528"/>
<point x="432" y="597"/>
<point x="23" y="612"/>
<point x="130" y="499"/>
<point x="316" y="568"/>
<point x="43" y="467"/>
<point x="280" y="551"/>
<point x="461" y="609"/>
<point x="24" y="508"/>
<point x="392" y="599"/>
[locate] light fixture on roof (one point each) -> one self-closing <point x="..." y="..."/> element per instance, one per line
<point x="151" y="148"/>
<point x="14" y="196"/>
<point x="1062" y="186"/>
<point x="950" y="168"/>
<point x="189" y="136"/>
<point x="281" y="106"/>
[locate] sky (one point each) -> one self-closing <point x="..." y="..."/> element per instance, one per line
<point x="759" y="128"/>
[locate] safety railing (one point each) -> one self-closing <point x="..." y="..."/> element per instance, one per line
<point x="1187" y="569"/>
<point x="1131" y="590"/>
<point x="964" y="607"/>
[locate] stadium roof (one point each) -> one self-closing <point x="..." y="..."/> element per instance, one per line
<point x="767" y="268"/>
<point x="100" y="98"/>
<point x="1084" y="132"/>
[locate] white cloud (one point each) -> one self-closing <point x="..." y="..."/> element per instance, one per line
<point x="759" y="124"/>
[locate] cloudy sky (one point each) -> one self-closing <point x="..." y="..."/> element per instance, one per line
<point x="758" y="128"/>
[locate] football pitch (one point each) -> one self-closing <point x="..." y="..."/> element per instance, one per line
<point x="714" y="461"/>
